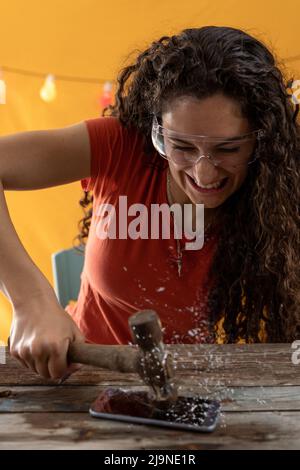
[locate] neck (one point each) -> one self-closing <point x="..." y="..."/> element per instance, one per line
<point x="176" y="196"/>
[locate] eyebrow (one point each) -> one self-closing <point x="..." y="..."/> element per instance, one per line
<point x="222" y="142"/>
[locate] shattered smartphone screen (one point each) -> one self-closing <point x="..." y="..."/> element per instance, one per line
<point x="190" y="413"/>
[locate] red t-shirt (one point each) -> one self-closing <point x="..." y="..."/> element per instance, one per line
<point x="122" y="276"/>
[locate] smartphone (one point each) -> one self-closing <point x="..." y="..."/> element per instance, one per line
<point x="187" y="413"/>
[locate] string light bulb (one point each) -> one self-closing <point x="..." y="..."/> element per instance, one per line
<point x="2" y="89"/>
<point x="48" y="91"/>
<point x="106" y="98"/>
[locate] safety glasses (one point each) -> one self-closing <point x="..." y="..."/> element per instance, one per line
<point x="187" y="150"/>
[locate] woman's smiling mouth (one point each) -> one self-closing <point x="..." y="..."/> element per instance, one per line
<point x="216" y="187"/>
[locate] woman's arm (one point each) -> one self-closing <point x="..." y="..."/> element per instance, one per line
<point x="41" y="329"/>
<point x="41" y="159"/>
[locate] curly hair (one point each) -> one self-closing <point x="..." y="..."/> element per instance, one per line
<point x="256" y="268"/>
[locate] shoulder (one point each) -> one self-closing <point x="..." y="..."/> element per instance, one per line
<point x="111" y="125"/>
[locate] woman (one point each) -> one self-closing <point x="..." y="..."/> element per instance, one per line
<point x="200" y="118"/>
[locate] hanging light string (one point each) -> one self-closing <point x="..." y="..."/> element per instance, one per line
<point x="48" y="91"/>
<point x="292" y="59"/>
<point x="69" y="78"/>
<point x="65" y="78"/>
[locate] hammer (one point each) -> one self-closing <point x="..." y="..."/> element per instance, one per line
<point x="149" y="360"/>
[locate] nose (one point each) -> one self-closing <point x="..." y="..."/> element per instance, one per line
<point x="205" y="171"/>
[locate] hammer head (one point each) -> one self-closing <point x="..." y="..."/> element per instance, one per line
<point x="155" y="364"/>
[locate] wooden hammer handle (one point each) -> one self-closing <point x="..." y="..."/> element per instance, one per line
<point x="118" y="358"/>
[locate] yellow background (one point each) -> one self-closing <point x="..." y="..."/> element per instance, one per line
<point x="92" y="38"/>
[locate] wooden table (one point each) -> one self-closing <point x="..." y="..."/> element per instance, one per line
<point x="258" y="385"/>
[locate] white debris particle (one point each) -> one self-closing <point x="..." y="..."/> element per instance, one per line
<point x="124" y="267"/>
<point x="190" y="309"/>
<point x="160" y="289"/>
<point x="193" y="332"/>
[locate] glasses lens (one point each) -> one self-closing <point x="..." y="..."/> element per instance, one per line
<point x="158" y="140"/>
<point x="235" y="155"/>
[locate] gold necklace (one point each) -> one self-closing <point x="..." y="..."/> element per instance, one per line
<point x="179" y="259"/>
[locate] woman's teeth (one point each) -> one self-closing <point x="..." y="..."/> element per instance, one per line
<point x="209" y="186"/>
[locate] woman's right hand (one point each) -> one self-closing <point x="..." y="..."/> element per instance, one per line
<point x="40" y="335"/>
